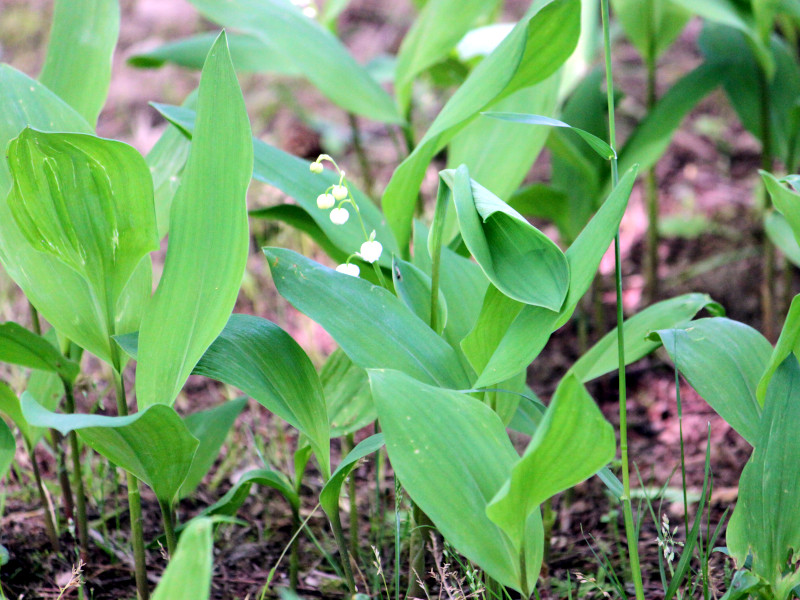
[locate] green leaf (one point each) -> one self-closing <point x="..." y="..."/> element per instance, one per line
<point x="153" y="445"/>
<point x="434" y="33"/>
<point x="453" y="455"/>
<point x="210" y="427"/>
<point x="676" y="312"/>
<point x="571" y="444"/>
<point x="413" y="287"/>
<point x="8" y="448"/>
<point x="233" y="499"/>
<point x="766" y="522"/>
<point x="788" y="343"/>
<point x="780" y="233"/>
<point x="595" y="143"/>
<point x="87" y="202"/>
<point x="786" y="200"/>
<point x="248" y="53"/>
<point x="723" y="360"/>
<point x="78" y="62"/>
<point x="292" y="176"/>
<point x="19" y="346"/>
<point x="536" y="47"/>
<point x="188" y="574"/>
<point x="385" y="333"/>
<point x="651" y="25"/>
<point x="208" y="242"/>
<point x="544" y="202"/>
<point x="347" y="394"/>
<point x="47" y="388"/>
<point x="329" y="496"/>
<point x="483" y="144"/>
<point x="517" y="258"/>
<point x="261" y="359"/>
<point x="314" y="50"/>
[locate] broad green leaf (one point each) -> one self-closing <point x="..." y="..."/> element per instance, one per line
<point x="723" y="360"/>
<point x="347" y="394"/>
<point x="47" y="388"/>
<point x="154" y="445"/>
<point x="453" y="455"/>
<point x="329" y="496"/>
<point x="652" y="136"/>
<point x="534" y="50"/>
<point x="517" y="258"/>
<point x="8" y="448"/>
<point x="316" y="53"/>
<point x="208" y="242"/>
<point x="766" y="522"/>
<point x="651" y="25"/>
<point x="248" y="53"/>
<point x="595" y="143"/>
<point x="483" y="145"/>
<point x="788" y="343"/>
<point x="19" y="346"/>
<point x="78" y="63"/>
<point x="731" y="52"/>
<point x="373" y="327"/>
<point x="261" y="359"/>
<point x="676" y="312"/>
<point x="210" y="427"/>
<point x="292" y="176"/>
<point x="515" y="342"/>
<point x="413" y="287"/>
<point x="497" y="314"/>
<point x="786" y="200"/>
<point x="571" y="444"/>
<point x="188" y="574"/>
<point x="87" y="202"/>
<point x="436" y="30"/>
<point x="780" y="233"/>
<point x="233" y="499"/>
<point x="545" y="202"/>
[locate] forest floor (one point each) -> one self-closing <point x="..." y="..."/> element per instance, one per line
<point x="706" y="187"/>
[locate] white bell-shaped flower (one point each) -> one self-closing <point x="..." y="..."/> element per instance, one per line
<point x="349" y="269"/>
<point x="339" y="192"/>
<point x="371" y="251"/>
<point x="315" y="167"/>
<point x="339" y="216"/>
<point x="325" y="201"/>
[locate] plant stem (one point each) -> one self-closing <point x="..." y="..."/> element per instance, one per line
<point x="294" y="552"/>
<point x="169" y="527"/>
<point x="363" y="161"/>
<point x="49" y="524"/>
<point x="344" y="555"/>
<point x="351" y="493"/>
<point x="63" y="475"/>
<point x="134" y="502"/>
<point x="633" y="552"/>
<point x="74" y="448"/>
<point x="768" y="282"/>
<point x="651" y="190"/>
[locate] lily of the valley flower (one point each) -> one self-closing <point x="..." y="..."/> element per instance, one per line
<point x="349" y="269"/>
<point x="339" y="192"/>
<point x="316" y="167"/>
<point x="371" y="251"/>
<point x="339" y="216"/>
<point x="325" y="201"/>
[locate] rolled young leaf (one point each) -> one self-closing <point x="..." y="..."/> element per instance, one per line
<point x="723" y="360"/>
<point x="188" y="574"/>
<point x="208" y="241"/>
<point x="153" y="445"/>
<point x="79" y="55"/>
<point x="651" y="26"/>
<point x="329" y="496"/>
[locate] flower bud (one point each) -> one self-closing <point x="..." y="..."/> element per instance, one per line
<point x="339" y="192"/>
<point x="349" y="269"/>
<point x="310" y="12"/>
<point x="339" y="216"/>
<point x="325" y="201"/>
<point x="371" y="251"/>
<point x="315" y="167"/>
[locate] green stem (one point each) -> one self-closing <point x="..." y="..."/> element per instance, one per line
<point x="338" y="533"/>
<point x="651" y="187"/>
<point x="768" y="282"/>
<point x="49" y="524"/>
<point x="294" y="553"/>
<point x="169" y="527"/>
<point x="74" y="448"/>
<point x="37" y="326"/>
<point x="63" y="474"/>
<point x="633" y="551"/>
<point x="351" y="493"/>
<point x="134" y="502"/>
<point x="416" y="552"/>
<point x="363" y="161"/>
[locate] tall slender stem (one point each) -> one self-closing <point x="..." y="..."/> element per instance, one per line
<point x="338" y="533"/>
<point x="83" y="527"/>
<point x="351" y="493"/>
<point x="169" y="527"/>
<point x="651" y="189"/>
<point x="363" y="161"/>
<point x="49" y="524"/>
<point x="768" y="282"/>
<point x="134" y="503"/>
<point x="630" y="531"/>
